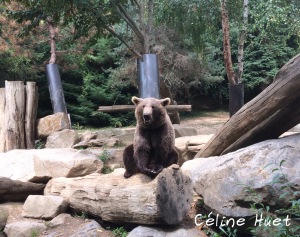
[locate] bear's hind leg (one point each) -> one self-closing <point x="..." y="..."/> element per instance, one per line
<point x="172" y="158"/>
<point x="129" y="162"/>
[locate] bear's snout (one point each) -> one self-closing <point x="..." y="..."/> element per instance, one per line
<point x="147" y="118"/>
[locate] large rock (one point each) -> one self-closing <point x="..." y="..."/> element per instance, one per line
<point x="105" y="143"/>
<point x="139" y="199"/>
<point x="42" y="165"/>
<point x="188" y="146"/>
<point x="43" y="207"/>
<point x="182" y="131"/>
<point x="24" y="229"/>
<point x="62" y="139"/>
<point x="258" y="173"/>
<point x="3" y="216"/>
<point x="143" y="231"/>
<point x="18" y="191"/>
<point x="52" y="123"/>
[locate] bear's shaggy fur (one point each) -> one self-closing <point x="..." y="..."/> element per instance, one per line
<point x="154" y="139"/>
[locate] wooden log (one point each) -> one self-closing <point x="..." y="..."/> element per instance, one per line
<point x="14" y="115"/>
<point x="274" y="111"/>
<point x="2" y="119"/>
<point x="139" y="199"/>
<point x="30" y="115"/>
<point x="120" y="108"/>
<point x="17" y="191"/>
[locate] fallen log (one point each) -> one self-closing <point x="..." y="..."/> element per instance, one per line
<point x="120" y="108"/>
<point x="18" y="191"/>
<point x="271" y="113"/>
<point x="139" y="199"/>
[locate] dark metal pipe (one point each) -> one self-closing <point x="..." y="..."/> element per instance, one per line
<point x="55" y="89"/>
<point x="148" y="76"/>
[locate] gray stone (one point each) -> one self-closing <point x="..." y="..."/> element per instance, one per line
<point x="44" y="207"/>
<point x="188" y="146"/>
<point x="295" y="129"/>
<point x="62" y="139"/>
<point x="52" y="123"/>
<point x="44" y="164"/>
<point x="143" y="231"/>
<point x="181" y="131"/>
<point x="90" y="229"/>
<point x="107" y="143"/>
<point x="24" y="229"/>
<point x="3" y="216"/>
<point x="59" y="220"/>
<point x="87" y="135"/>
<point x="258" y="173"/>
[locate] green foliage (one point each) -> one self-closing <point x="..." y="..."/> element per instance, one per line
<point x="119" y="232"/>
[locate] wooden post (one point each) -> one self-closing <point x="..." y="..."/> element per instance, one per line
<point x="14" y="115"/>
<point x="2" y="121"/>
<point x="30" y="116"/>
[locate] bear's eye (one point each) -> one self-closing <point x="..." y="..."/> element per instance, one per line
<point x="144" y="106"/>
<point x="153" y="107"/>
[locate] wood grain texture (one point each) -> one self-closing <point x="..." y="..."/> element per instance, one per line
<point x="138" y="199"/>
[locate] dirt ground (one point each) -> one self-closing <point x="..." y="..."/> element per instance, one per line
<point x="206" y="124"/>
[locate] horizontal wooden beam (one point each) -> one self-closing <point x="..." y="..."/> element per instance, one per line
<point x="119" y="108"/>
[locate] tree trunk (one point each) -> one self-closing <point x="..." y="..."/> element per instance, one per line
<point x="165" y="92"/>
<point x="17" y="191"/>
<point x="14" y="115"/>
<point x="52" y="32"/>
<point x="139" y="199"/>
<point x="31" y="111"/>
<point x="2" y="119"/>
<point x="241" y="43"/>
<point x="271" y="113"/>
<point x="226" y="44"/>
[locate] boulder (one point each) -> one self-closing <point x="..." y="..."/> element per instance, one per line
<point x="59" y="220"/>
<point x="24" y="229"/>
<point x="139" y="199"/>
<point x="52" y="123"/>
<point x="90" y="229"/>
<point x="43" y="207"/>
<point x="182" y="131"/>
<point x="62" y="139"/>
<point x="259" y="173"/>
<point x="42" y="165"/>
<point x="106" y="143"/>
<point x="143" y="231"/>
<point x="3" y="216"/>
<point x="188" y="146"/>
<point x="18" y="191"/>
<point x="87" y="135"/>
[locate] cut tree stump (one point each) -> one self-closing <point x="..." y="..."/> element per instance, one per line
<point x="139" y="199"/>
<point x="14" y="115"/>
<point x="274" y="111"/>
<point x="30" y="115"/>
<point x="17" y="191"/>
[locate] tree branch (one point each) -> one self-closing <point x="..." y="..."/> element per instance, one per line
<point x="52" y="41"/>
<point x="112" y="31"/>
<point x="124" y="14"/>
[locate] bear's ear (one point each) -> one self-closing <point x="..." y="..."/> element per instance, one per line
<point x="165" y="101"/>
<point x="136" y="100"/>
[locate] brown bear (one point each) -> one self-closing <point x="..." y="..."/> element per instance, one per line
<point x="154" y="140"/>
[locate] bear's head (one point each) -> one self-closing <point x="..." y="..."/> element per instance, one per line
<point x="151" y="112"/>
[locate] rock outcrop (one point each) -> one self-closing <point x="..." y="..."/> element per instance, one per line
<point x="259" y="173"/>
